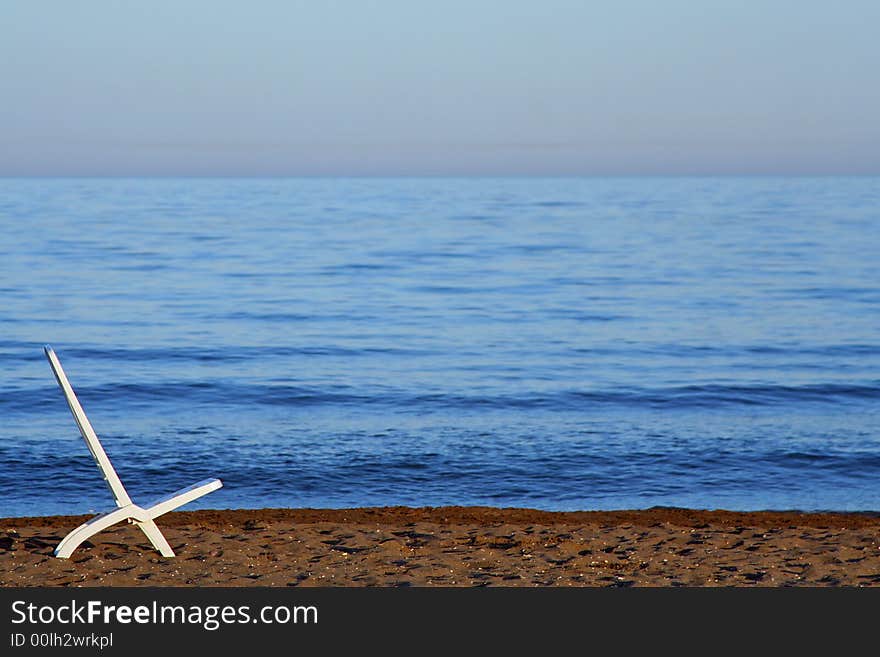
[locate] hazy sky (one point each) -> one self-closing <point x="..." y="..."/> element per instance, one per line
<point x="398" y="87"/>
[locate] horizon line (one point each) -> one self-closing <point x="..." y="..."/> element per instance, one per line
<point x="328" y="176"/>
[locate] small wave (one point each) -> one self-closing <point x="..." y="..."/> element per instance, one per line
<point x="770" y="394"/>
<point x="231" y="354"/>
<point x="556" y="204"/>
<point x="819" y="356"/>
<point x="268" y="317"/>
<point x="793" y="352"/>
<point x="849" y="463"/>
<point x="283" y="391"/>
<point x="236" y="394"/>
<point x="358" y="267"/>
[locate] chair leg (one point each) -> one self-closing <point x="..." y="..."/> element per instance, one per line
<point x="181" y="497"/>
<point x="156" y="538"/>
<point x="88" y="529"/>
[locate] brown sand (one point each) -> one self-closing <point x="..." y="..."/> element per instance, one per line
<point x="455" y="546"/>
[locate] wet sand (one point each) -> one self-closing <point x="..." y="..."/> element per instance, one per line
<point x="455" y="546"/>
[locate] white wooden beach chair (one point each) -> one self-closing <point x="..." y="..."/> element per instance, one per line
<point x="143" y="517"/>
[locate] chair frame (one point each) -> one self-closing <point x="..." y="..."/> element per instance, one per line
<point x="142" y="516"/>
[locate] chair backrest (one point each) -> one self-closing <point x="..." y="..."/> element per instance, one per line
<point x="88" y="433"/>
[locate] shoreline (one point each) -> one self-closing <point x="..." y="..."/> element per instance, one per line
<point x="457" y="514"/>
<point x="456" y="546"/>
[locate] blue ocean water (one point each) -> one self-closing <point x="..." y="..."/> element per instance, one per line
<point x="551" y="343"/>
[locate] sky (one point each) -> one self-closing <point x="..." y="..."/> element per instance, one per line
<point x="410" y="87"/>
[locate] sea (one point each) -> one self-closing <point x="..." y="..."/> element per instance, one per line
<point x="553" y="343"/>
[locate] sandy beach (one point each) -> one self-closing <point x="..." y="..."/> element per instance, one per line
<point x="455" y="546"/>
